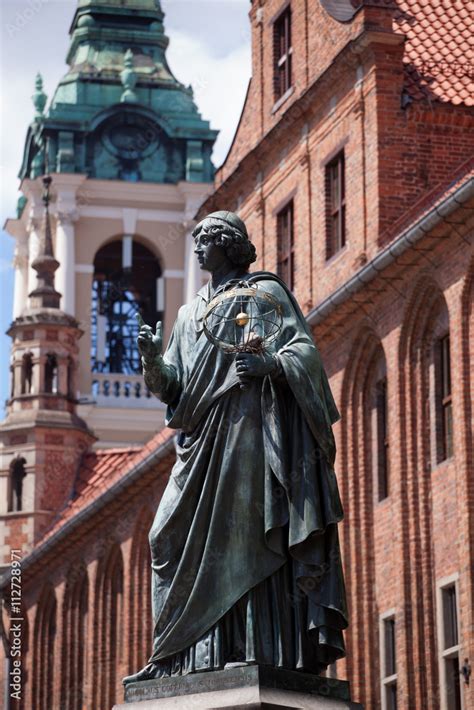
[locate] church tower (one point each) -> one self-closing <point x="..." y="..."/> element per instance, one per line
<point x="130" y="161"/>
<point x="42" y="438"/>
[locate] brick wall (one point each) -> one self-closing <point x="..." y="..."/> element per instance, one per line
<point x="350" y="84"/>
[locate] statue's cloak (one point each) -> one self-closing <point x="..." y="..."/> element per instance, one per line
<point x="253" y="485"/>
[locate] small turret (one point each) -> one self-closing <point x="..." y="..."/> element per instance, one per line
<point x="42" y="429"/>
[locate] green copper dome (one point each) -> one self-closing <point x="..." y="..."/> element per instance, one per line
<point x="119" y="112"/>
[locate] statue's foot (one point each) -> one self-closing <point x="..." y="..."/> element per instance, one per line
<point x="150" y="672"/>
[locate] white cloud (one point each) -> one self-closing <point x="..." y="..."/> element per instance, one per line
<point x="219" y="85"/>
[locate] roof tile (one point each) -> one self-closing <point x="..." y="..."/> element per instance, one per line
<point x="439" y="49"/>
<point x="99" y="470"/>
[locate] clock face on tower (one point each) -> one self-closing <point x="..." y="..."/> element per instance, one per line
<point x="130" y="136"/>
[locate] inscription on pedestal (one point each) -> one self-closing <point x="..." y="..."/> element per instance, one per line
<point x="263" y="676"/>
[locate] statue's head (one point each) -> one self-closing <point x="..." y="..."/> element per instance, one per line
<point x="226" y="231"/>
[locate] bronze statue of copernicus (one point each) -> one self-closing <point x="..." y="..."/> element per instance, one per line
<point x="246" y="564"/>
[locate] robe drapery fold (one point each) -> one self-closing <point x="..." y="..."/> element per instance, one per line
<point x="251" y="509"/>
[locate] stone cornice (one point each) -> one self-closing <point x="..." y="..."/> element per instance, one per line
<point x="45" y="316"/>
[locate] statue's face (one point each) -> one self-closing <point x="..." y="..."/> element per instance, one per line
<point x="210" y="256"/>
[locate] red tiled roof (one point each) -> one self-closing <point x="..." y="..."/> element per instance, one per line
<point x="98" y="472"/>
<point x="439" y="50"/>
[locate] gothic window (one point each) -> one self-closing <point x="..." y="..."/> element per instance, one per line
<point x="444" y="406"/>
<point x="51" y="374"/>
<point x="382" y="437"/>
<point x="27" y="374"/>
<point x="426" y="351"/>
<point x="335" y="205"/>
<point x="74" y="640"/>
<point x="282" y="53"/>
<point x="17" y="474"/>
<point x="127" y="281"/>
<point x="140" y="612"/>
<point x="286" y="245"/>
<point x="108" y="641"/>
<point x="375" y="384"/>
<point x="43" y="650"/>
<point x="388" y="663"/>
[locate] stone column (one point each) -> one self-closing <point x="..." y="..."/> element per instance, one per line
<point x="192" y="273"/>
<point x="20" y="263"/>
<point x="66" y="186"/>
<point x="194" y="194"/>
<point x="65" y="254"/>
<point x="34" y="243"/>
<point x="35" y="223"/>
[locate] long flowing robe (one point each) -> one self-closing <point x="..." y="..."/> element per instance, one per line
<point x="245" y="553"/>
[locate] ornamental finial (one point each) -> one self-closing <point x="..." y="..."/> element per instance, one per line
<point x="39" y="98"/>
<point x="45" y="294"/>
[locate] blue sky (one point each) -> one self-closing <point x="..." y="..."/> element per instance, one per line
<point x="209" y="48"/>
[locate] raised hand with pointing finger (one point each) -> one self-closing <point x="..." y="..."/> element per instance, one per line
<point x="160" y="377"/>
<point x="150" y="344"/>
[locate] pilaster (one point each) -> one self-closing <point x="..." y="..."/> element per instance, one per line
<point x="66" y="187"/>
<point x="17" y="229"/>
<point x="194" y="194"/>
<point x="32" y="190"/>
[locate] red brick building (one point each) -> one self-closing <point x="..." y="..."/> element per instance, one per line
<point x="352" y="167"/>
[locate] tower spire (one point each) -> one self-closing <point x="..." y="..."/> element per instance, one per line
<point x="45" y="295"/>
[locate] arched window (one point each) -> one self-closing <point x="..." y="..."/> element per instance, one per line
<point x="27" y="374"/>
<point x="140" y="611"/>
<point x="70" y="377"/>
<point x="17" y="474"/>
<point x="108" y="641"/>
<point x="51" y="374"/>
<point x="74" y="640"/>
<point x="443" y="399"/>
<point x="377" y="394"/>
<point x="127" y="281"/>
<point x="43" y="650"/>
<point x="362" y="451"/>
<point x="425" y="324"/>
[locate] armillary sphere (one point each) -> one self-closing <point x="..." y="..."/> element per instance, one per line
<point x="245" y="318"/>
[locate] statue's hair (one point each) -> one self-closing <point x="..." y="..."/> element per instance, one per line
<point x="237" y="245"/>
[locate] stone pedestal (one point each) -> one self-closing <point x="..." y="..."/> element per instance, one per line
<point x="245" y="688"/>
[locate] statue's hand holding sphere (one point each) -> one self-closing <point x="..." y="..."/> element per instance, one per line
<point x="251" y="365"/>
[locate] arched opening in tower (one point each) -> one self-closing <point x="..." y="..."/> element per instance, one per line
<point x="127" y="280"/>
<point x="51" y="374"/>
<point x="15" y="493"/>
<point x="27" y="374"/>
